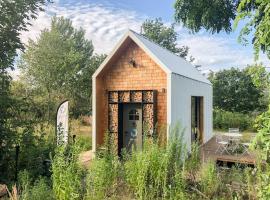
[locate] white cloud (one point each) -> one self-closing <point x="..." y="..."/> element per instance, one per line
<point x="103" y="25"/>
<point x="214" y="52"/>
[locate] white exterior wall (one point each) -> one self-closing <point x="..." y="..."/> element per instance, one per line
<point x="181" y="90"/>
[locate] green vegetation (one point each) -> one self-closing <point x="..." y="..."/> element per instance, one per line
<point x="235" y="91"/>
<point x="197" y="14"/>
<point x="239" y="96"/>
<point x="66" y="173"/>
<point x="165" y="36"/>
<point x="59" y="65"/>
<point x="223" y="120"/>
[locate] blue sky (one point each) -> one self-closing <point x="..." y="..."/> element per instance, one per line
<point x="105" y="21"/>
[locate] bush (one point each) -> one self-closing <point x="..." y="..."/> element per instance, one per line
<point x="36" y="144"/>
<point x="40" y="189"/>
<point x="223" y="120"/>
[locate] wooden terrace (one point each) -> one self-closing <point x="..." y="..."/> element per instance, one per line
<point x="209" y="152"/>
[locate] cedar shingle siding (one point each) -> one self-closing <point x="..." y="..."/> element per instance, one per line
<point x="120" y="75"/>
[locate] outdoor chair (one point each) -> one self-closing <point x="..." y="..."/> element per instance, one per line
<point x="246" y="145"/>
<point x="223" y="144"/>
<point x="235" y="144"/>
<point x="234" y="130"/>
<point x="234" y="141"/>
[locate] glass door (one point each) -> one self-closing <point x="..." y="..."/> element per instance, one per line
<point x="197" y="119"/>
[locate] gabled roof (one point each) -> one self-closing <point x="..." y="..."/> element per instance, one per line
<point x="167" y="60"/>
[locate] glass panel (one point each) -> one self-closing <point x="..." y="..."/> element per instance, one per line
<point x="133" y="115"/>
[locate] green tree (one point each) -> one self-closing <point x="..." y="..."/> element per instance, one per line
<point x="15" y="17"/>
<point x="260" y="77"/>
<point x="163" y="35"/>
<point x="217" y="15"/>
<point x="233" y="90"/>
<point x="60" y="63"/>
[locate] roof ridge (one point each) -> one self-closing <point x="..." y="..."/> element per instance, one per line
<point x="155" y="43"/>
<point x="164" y="49"/>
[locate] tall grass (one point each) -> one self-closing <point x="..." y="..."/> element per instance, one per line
<point x="104" y="172"/>
<point x="155" y="172"/>
<point x="210" y="181"/>
<point x="38" y="190"/>
<point x="67" y="174"/>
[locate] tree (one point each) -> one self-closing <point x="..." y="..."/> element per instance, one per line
<point x="260" y="77"/>
<point x="163" y="35"/>
<point x="233" y="90"/>
<point x="58" y="62"/>
<point x="15" y="17"/>
<point x="217" y="15"/>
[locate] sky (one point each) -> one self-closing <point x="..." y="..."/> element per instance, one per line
<point x="105" y="21"/>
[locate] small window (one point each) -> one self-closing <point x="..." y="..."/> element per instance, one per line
<point x="133" y="115"/>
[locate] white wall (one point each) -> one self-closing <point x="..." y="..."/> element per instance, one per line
<point x="182" y="89"/>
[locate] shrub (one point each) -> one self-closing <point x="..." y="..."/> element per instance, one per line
<point x="39" y="190"/>
<point x="36" y="143"/>
<point x="67" y="175"/>
<point x="224" y="120"/>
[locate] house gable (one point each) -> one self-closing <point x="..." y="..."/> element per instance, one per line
<point x="120" y="75"/>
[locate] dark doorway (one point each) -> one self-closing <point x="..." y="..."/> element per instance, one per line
<point x="197" y="119"/>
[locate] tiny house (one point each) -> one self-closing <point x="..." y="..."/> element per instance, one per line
<point x="141" y="85"/>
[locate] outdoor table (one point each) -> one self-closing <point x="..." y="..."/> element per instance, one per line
<point x="233" y="135"/>
<point x="233" y="139"/>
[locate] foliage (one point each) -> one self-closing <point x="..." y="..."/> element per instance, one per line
<point x="40" y="189"/>
<point x="260" y="77"/>
<point x="256" y="14"/>
<point x="192" y="164"/>
<point x="223" y="120"/>
<point x="263" y="136"/>
<point x="36" y="145"/>
<point x="197" y="14"/>
<point x="233" y="90"/>
<point x="60" y="65"/>
<point x="67" y="174"/>
<point x="209" y="180"/>
<point x="104" y="173"/>
<point x="163" y="35"/>
<point x="264" y="182"/>
<point x="155" y="172"/>
<point x="34" y="139"/>
<point x="15" y="17"/>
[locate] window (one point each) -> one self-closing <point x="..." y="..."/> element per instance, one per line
<point x="133" y="115"/>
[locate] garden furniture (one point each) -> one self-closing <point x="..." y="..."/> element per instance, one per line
<point x="223" y="144"/>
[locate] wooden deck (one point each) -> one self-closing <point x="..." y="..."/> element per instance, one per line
<point x="208" y="152"/>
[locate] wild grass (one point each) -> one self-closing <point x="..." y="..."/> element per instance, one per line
<point x="67" y="174"/>
<point x="39" y="189"/>
<point x="154" y="172"/>
<point x="104" y="173"/>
